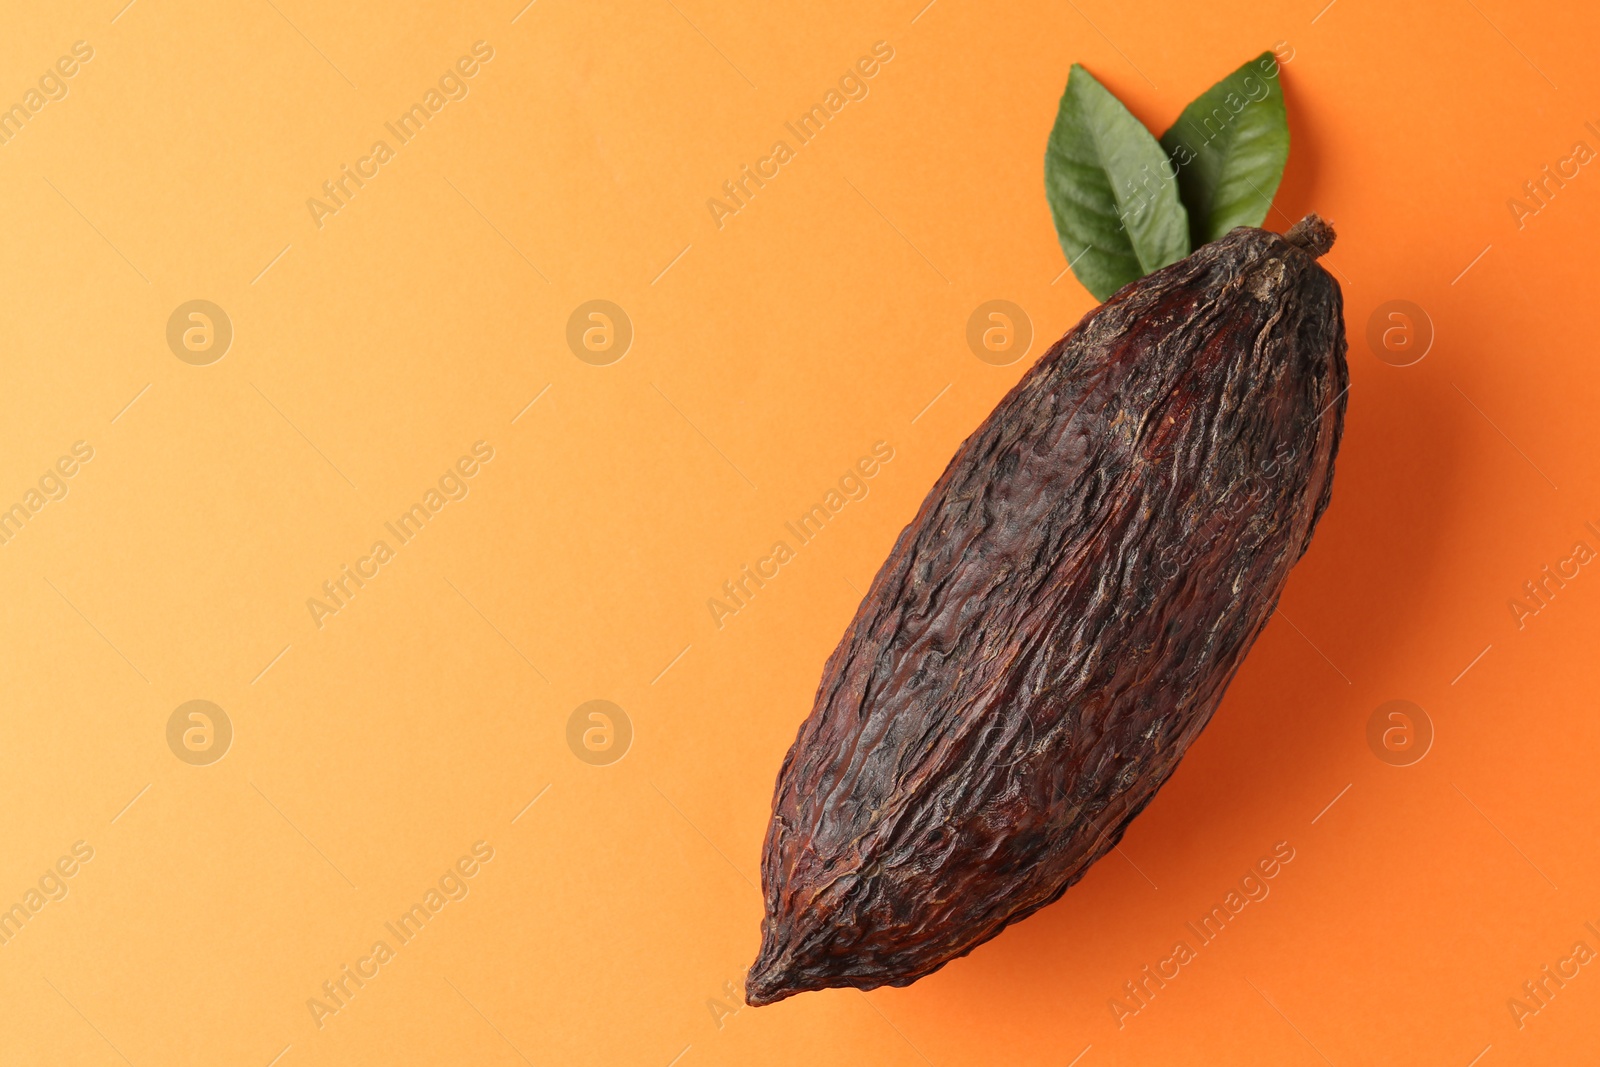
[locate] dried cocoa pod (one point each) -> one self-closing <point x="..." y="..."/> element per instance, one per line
<point x="1061" y="618"/>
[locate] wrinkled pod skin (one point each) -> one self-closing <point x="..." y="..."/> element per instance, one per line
<point x="1060" y="619"/>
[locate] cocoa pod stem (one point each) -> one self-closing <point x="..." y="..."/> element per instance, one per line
<point x="1311" y="235"/>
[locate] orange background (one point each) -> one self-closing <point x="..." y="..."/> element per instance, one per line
<point x="619" y="911"/>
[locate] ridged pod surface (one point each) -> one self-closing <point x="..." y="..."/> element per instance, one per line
<point x="1060" y="619"/>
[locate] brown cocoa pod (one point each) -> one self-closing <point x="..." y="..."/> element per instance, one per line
<point x="1060" y="619"/>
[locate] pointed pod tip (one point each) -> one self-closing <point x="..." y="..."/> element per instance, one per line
<point x="1312" y="235"/>
<point x="768" y="979"/>
<point x="765" y="985"/>
<point x="782" y="968"/>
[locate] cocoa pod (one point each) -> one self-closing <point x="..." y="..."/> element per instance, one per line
<point x="1060" y="619"/>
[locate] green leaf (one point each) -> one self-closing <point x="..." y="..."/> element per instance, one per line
<point x="1111" y="190"/>
<point x="1229" y="148"/>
